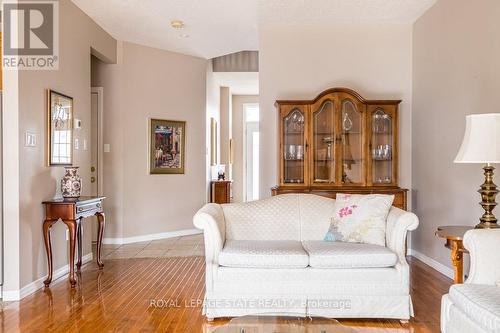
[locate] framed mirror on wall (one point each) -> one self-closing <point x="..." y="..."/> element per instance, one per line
<point x="59" y="129"/>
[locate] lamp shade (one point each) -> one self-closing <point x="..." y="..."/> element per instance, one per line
<point x="481" y="142"/>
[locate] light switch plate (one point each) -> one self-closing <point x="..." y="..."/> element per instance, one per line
<point x="85" y="146"/>
<point x="30" y="139"/>
<point x="77" y="144"/>
<point x="107" y="147"/>
<point x="77" y="124"/>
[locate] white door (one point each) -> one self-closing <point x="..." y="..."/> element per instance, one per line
<point x="251" y="154"/>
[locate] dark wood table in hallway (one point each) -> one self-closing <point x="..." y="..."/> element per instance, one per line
<point x="72" y="212"/>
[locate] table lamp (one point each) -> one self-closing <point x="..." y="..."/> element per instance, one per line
<point x="481" y="144"/>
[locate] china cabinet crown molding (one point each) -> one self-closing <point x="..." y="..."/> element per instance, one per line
<point x="351" y="92"/>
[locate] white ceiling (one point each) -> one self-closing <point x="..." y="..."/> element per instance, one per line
<point x="241" y="83"/>
<point x="219" y="27"/>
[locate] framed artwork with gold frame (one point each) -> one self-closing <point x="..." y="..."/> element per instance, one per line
<point x="59" y="136"/>
<point x="167" y="142"/>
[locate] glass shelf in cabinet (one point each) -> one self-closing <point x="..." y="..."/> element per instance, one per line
<point x="323" y="181"/>
<point x="293" y="181"/>
<point x="382" y="182"/>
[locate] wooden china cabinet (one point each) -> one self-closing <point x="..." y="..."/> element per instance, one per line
<point x="339" y="143"/>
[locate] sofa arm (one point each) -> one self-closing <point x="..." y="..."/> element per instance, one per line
<point x="399" y="222"/>
<point x="483" y="245"/>
<point x="210" y="218"/>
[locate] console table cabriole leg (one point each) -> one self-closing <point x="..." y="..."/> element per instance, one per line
<point x="79" y="232"/>
<point x="72" y="226"/>
<point x="101" y="220"/>
<point x="48" y="248"/>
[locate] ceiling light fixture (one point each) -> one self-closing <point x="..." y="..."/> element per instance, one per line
<point x="177" y="24"/>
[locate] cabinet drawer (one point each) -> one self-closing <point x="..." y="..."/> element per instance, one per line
<point x="89" y="208"/>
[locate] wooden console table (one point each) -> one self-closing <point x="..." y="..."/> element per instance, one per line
<point x="454" y="236"/>
<point x="71" y="212"/>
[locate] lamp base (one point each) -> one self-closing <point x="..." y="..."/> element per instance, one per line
<point x="487" y="225"/>
<point x="488" y="191"/>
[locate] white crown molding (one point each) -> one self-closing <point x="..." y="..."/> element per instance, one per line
<point x="443" y="269"/>
<point x="16" y="295"/>
<point x="150" y="237"/>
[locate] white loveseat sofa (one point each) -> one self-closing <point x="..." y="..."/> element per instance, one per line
<point x="474" y="306"/>
<point x="269" y="257"/>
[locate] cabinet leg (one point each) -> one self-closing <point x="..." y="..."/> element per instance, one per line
<point x="79" y="242"/>
<point x="101" y="220"/>
<point x="48" y="248"/>
<point x="72" y="226"/>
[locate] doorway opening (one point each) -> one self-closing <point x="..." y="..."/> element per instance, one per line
<point x="251" y="150"/>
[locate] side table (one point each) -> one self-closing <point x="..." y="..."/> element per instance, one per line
<point x="454" y="236"/>
<point x="71" y="212"/>
<point x="220" y="191"/>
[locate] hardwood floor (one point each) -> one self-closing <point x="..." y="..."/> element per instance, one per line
<point x="153" y="295"/>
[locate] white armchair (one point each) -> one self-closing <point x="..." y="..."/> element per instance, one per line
<point x="475" y="305"/>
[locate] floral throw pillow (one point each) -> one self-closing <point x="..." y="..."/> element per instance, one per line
<point x="360" y="218"/>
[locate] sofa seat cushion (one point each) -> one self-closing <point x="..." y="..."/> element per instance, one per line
<point x="263" y="254"/>
<point x="348" y="255"/>
<point x="479" y="302"/>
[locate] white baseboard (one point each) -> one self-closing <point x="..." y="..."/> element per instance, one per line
<point x="150" y="237"/>
<point x="16" y="295"/>
<point x="443" y="269"/>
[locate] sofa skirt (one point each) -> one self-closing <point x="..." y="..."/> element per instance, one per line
<point x="218" y="305"/>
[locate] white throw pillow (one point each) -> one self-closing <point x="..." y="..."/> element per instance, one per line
<point x="498" y="283"/>
<point x="360" y="218"/>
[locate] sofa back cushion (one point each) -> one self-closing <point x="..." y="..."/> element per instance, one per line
<point x="315" y="215"/>
<point x="274" y="218"/>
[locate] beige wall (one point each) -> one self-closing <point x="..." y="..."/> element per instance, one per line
<point x="456" y="71"/>
<point x="78" y="34"/>
<point x="212" y="111"/>
<point x="152" y="83"/>
<point x="300" y="62"/>
<point x="238" y="142"/>
<point x="225" y="127"/>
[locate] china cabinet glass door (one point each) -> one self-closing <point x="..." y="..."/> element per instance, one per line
<point x="294" y="147"/>
<point x="382" y="147"/>
<point x="324" y="139"/>
<point x="352" y="144"/>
